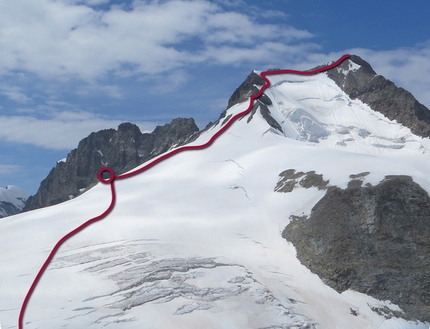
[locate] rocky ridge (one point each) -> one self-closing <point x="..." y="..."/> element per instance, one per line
<point x="121" y="150"/>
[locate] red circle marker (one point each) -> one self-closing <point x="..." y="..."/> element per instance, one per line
<point x="108" y="180"/>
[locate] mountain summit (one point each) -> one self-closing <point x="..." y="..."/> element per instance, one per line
<point x="309" y="212"/>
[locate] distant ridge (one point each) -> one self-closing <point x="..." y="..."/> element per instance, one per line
<point x="12" y="200"/>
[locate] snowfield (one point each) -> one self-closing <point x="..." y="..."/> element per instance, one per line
<point x="195" y="241"/>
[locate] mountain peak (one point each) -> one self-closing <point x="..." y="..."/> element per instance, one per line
<point x="364" y="66"/>
<point x="249" y="87"/>
<point x="381" y="95"/>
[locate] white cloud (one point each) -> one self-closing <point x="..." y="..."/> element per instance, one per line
<point x="169" y="82"/>
<point x="273" y="14"/>
<point x="14" y="93"/>
<point x="271" y="53"/>
<point x="232" y="3"/>
<point x="64" y="39"/>
<point x="113" y="91"/>
<point x="61" y="132"/>
<point x="90" y="2"/>
<point x="238" y="28"/>
<point x="9" y="169"/>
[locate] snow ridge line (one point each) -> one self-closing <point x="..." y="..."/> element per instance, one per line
<point x="157" y="160"/>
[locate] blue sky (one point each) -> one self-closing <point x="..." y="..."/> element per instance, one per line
<point x="70" y="67"/>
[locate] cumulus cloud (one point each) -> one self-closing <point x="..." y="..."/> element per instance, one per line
<point x="72" y="39"/>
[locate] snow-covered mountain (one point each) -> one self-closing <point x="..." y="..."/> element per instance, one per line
<point x="12" y="200"/>
<point x="203" y="239"/>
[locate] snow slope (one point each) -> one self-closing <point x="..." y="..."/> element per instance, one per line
<point x="195" y="242"/>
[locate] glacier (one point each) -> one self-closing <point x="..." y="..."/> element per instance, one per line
<point x="195" y="241"/>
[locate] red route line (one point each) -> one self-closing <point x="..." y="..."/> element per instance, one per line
<point x="165" y="156"/>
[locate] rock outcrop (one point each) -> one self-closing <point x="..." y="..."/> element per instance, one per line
<point x="372" y="239"/>
<point x="121" y="150"/>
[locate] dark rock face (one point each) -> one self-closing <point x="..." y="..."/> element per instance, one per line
<point x="121" y="150"/>
<point x="289" y="179"/>
<point x="372" y="239"/>
<point x="249" y="87"/>
<point x="382" y="95"/>
<point x="261" y="104"/>
<point x="246" y="89"/>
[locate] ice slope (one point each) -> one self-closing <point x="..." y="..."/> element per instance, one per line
<point x="195" y="242"/>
